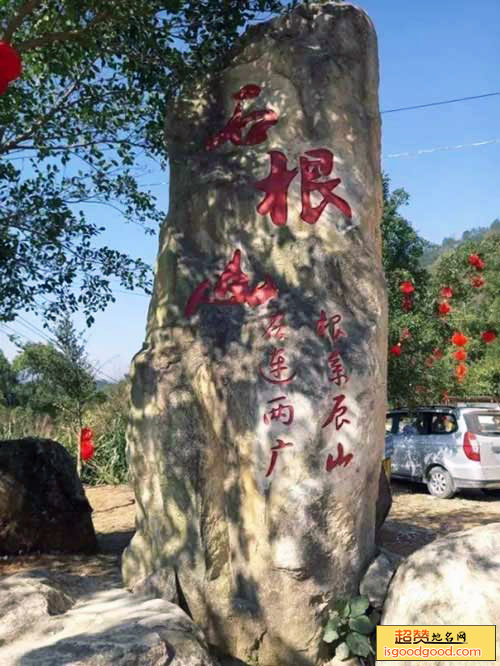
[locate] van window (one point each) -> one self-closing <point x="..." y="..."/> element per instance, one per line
<point x="443" y="424"/>
<point x="408" y="424"/>
<point x="484" y="423"/>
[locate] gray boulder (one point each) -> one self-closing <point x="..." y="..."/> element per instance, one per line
<point x="42" y="502"/>
<point x="375" y="582"/>
<point x="107" y="628"/>
<point x="453" y="580"/>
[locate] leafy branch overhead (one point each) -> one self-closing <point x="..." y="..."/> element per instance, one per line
<point x="79" y="124"/>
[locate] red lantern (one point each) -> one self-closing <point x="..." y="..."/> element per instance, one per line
<point x="429" y="361"/>
<point x="477" y="282"/>
<point x="437" y="353"/>
<point x="488" y="336"/>
<point x="396" y="350"/>
<point x="406" y="287"/>
<point x="444" y="308"/>
<point x="480" y="264"/>
<point x="473" y="259"/>
<point x="447" y="292"/>
<point x="460" y="355"/>
<point x="460" y="372"/>
<point x="459" y="339"/>
<point x="87" y="443"/>
<point x="10" y="65"/>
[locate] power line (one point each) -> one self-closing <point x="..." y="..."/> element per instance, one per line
<point x="446" y="101"/>
<point x="425" y="151"/>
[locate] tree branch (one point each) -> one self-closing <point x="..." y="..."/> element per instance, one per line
<point x="62" y="36"/>
<point x="41" y="121"/>
<point x="26" y="9"/>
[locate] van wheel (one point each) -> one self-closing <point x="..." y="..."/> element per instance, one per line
<point x="440" y="484"/>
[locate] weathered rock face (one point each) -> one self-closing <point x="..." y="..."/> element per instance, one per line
<point x="42" y="503"/>
<point x="258" y="400"/>
<point x="107" y="628"/>
<point x="452" y="580"/>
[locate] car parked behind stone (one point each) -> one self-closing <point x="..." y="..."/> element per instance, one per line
<point x="447" y="447"/>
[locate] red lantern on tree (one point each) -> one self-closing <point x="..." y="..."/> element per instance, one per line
<point x="476" y="261"/>
<point x="444" y="308"/>
<point x="459" y="339"/>
<point x="488" y="336"/>
<point x="460" y="372"/>
<point x="437" y="353"/>
<point x="460" y="355"/>
<point x="406" y="287"/>
<point x="87" y="443"/>
<point x="447" y="292"/>
<point x="396" y="349"/>
<point x="10" y="65"/>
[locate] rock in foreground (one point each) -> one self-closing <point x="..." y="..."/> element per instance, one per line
<point x="111" y="628"/>
<point x="42" y="502"/>
<point x="452" y="581"/>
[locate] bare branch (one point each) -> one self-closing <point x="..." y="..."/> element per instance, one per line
<point x="26" y="9"/>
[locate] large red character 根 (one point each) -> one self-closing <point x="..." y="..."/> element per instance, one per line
<point x="314" y="165"/>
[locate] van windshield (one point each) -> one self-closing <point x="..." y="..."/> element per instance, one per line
<point x="484" y="423"/>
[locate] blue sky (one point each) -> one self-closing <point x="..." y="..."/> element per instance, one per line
<point x="429" y="51"/>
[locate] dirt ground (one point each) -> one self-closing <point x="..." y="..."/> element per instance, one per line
<point x="416" y="518"/>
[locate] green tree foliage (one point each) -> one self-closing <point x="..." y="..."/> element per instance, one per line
<point x="8" y="382"/>
<point x="89" y="107"/>
<point x="425" y="370"/>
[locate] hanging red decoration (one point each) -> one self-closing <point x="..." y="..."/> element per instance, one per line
<point x="488" y="336"/>
<point x="406" y="287"/>
<point x="87" y="444"/>
<point x="476" y="261"/>
<point x="444" y="308"/>
<point x="447" y="292"/>
<point x="460" y="372"/>
<point x="10" y="66"/>
<point x="407" y="303"/>
<point x="460" y="355"/>
<point x="396" y="349"/>
<point x="477" y="282"/>
<point x="459" y="339"/>
<point x="445" y="397"/>
<point x="429" y="361"/>
<point x="437" y="353"/>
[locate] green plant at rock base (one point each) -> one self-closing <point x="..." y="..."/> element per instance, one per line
<point x="349" y="627"/>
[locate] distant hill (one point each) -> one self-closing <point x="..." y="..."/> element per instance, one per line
<point x="433" y="251"/>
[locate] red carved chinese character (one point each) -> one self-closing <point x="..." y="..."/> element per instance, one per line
<point x="277" y="367"/>
<point x="311" y="170"/>
<point x="323" y="324"/>
<point x="337" y="368"/>
<point x="232" y="288"/>
<point x="341" y="459"/>
<point x="275" y="327"/>
<point x="276" y="188"/>
<point x="283" y="413"/>
<point x="274" y="455"/>
<point x="337" y="413"/>
<point x="233" y="130"/>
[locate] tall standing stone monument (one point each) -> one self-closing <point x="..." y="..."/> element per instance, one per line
<point x="258" y="399"/>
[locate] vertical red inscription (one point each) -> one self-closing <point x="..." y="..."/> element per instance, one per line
<point x="282" y="412"/>
<point x="276" y="327"/>
<point x="341" y="459"/>
<point x="274" y="454"/>
<point x="337" y="413"/>
<point x="276" y="187"/>
<point x="277" y="367"/>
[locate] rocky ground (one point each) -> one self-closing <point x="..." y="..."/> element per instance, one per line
<point x="416" y="518"/>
